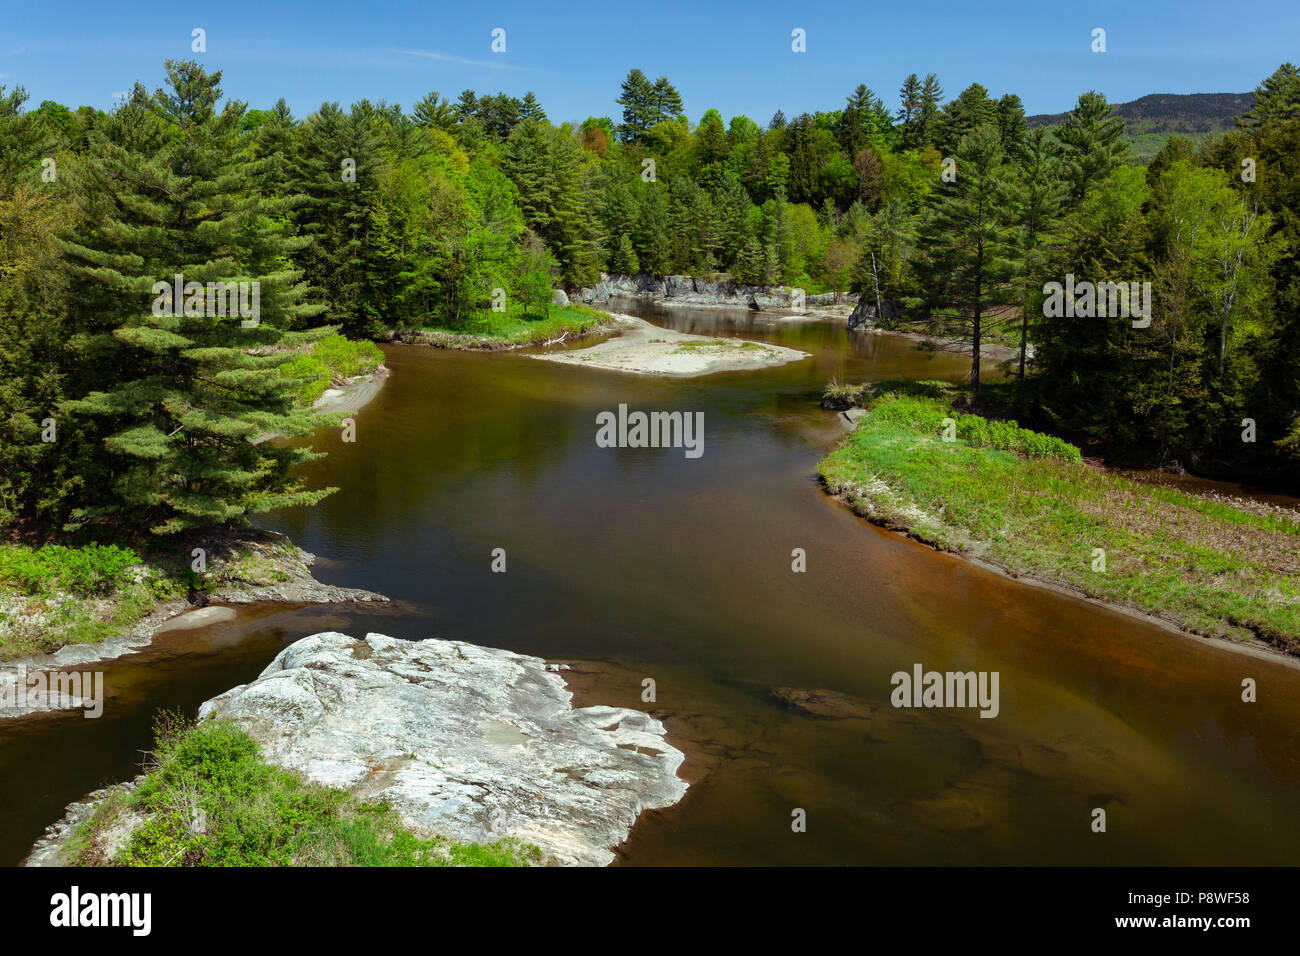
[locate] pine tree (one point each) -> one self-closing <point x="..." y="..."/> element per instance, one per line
<point x="434" y="111"/>
<point x="667" y="102"/>
<point x="337" y="171"/>
<point x="1011" y="125"/>
<point x="182" y="393"/>
<point x="1034" y="198"/>
<point x="968" y="269"/>
<point x="1093" y="141"/>
<point x="636" y="98"/>
<point x="530" y="109"/>
<point x="970" y="110"/>
<point x="275" y="151"/>
<point x="1277" y="99"/>
<point x="909" y="110"/>
<point x="927" y="123"/>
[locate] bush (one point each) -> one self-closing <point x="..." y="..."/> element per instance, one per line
<point x="315" y="377"/>
<point x="345" y="357"/>
<point x="88" y="570"/>
<point x="332" y="358"/>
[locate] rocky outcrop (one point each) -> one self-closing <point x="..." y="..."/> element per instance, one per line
<point x="470" y="742"/>
<point x="702" y="291"/>
<point x="862" y="314"/>
<point x="559" y="297"/>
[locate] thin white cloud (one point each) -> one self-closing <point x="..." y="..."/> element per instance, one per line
<point x="465" y="61"/>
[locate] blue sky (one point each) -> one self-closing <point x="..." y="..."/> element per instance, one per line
<point x="732" y="56"/>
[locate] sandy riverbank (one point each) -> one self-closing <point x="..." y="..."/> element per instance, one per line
<point x="638" y="346"/>
<point x="354" y="395"/>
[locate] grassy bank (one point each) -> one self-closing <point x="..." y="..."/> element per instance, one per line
<point x="209" y="799"/>
<point x="510" y="329"/>
<point x="331" y="361"/>
<point x="1026" y="502"/>
<point x="55" y="595"/>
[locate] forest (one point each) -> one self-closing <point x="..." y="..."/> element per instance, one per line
<point x="948" y="215"/>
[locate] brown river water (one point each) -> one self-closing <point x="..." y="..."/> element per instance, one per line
<point x="642" y="563"/>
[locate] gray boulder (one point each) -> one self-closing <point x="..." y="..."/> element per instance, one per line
<point x="470" y="742"/>
<point x="863" y="314"/>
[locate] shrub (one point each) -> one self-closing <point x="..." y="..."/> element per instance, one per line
<point x="332" y="358"/>
<point x="92" y="569"/>
<point x="315" y="377"/>
<point x="345" y="357"/>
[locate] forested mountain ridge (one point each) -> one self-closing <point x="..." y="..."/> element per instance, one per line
<point x="1184" y="113"/>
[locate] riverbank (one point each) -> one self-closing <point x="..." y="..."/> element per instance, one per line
<point x="52" y="619"/>
<point x="647" y="349"/>
<point x="498" y="332"/>
<point x="1026" y="504"/>
<point x="449" y="744"/>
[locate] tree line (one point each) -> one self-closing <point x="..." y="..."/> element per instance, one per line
<point x="948" y="213"/>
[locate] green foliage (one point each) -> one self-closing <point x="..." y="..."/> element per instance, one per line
<point x="926" y="414"/>
<point x="1040" y="512"/>
<point x="438" y="208"/>
<point x="89" y="570"/>
<point x="347" y="358"/>
<point x="209" y="799"/>
<point x="310" y="375"/>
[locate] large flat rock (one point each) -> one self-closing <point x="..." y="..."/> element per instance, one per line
<point x="470" y="742"/>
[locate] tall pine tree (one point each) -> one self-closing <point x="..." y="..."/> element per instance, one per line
<point x="180" y="393"/>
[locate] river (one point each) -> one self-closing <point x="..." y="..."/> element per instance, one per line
<point x="643" y="563"/>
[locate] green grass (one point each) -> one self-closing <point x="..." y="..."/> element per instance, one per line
<point x="55" y="595"/>
<point x="1026" y="502"/>
<point x="510" y="329"/>
<point x="333" y="358"/>
<point x="89" y="570"/>
<point x="209" y="799"/>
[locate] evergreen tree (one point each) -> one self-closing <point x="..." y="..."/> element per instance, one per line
<point x="1277" y="99"/>
<point x="1034" y="196"/>
<point x="909" y="110"/>
<point x="967" y="269"/>
<point x="636" y="98"/>
<point x="1011" y="125"/>
<point x="1093" y="141"/>
<point x="434" y="111"/>
<point x="530" y="109"/>
<point x="927" y="123"/>
<point x="970" y="110"/>
<point x="338" y="169"/>
<point x="184" y="393"/>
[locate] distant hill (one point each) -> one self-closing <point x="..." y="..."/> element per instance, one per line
<point x="1169" y="113"/>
